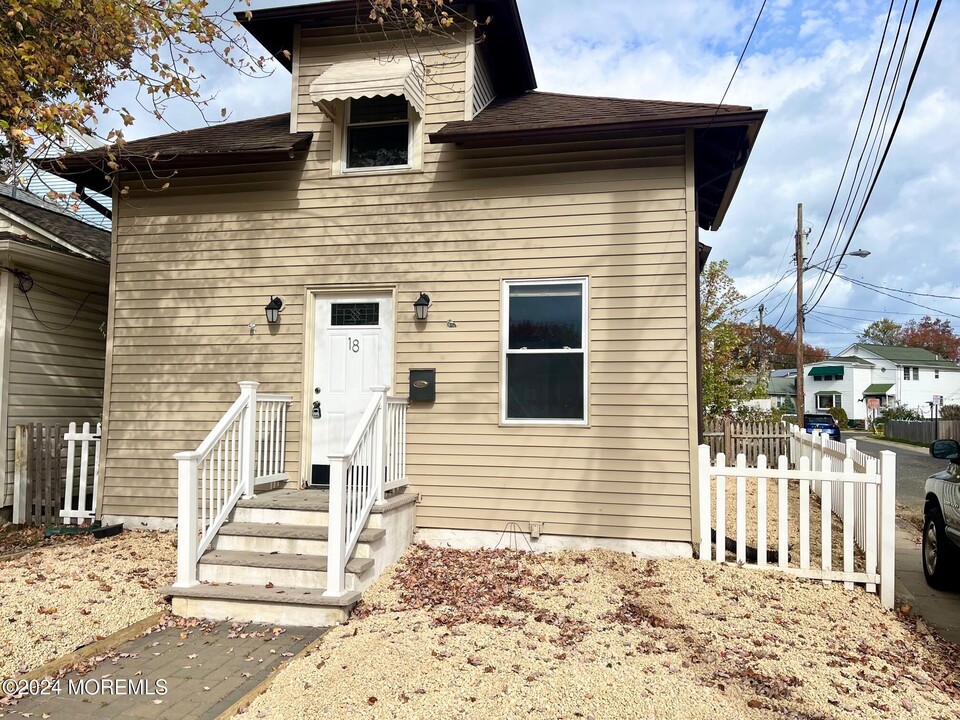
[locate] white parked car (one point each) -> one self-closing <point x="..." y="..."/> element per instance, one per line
<point x="941" y="517"/>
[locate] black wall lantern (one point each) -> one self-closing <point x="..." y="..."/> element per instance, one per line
<point x="421" y="305"/>
<point x="273" y="310"/>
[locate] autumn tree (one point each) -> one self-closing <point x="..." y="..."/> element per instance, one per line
<point x="61" y="59"/>
<point x="881" y="332"/>
<point x="774" y="349"/>
<point x="725" y="367"/>
<point x="935" y="335"/>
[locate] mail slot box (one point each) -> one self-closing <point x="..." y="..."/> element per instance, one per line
<point x="423" y="384"/>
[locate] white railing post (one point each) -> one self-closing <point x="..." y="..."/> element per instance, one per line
<point x="703" y="472"/>
<point x="248" y="436"/>
<point x="187" y="519"/>
<point x="888" y="495"/>
<point x="380" y="445"/>
<point x="336" y="535"/>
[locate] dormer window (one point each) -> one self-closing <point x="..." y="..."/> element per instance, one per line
<point x="377" y="108"/>
<point x="377" y="133"/>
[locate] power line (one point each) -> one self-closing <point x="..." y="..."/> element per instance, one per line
<point x="870" y="310"/>
<point x="903" y="300"/>
<point x="871" y="138"/>
<point x="886" y="151"/>
<point x="905" y="292"/>
<point x="853" y="142"/>
<point x="739" y="60"/>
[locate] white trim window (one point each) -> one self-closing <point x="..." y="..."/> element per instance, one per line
<point x="378" y="134"/>
<point x="825" y="402"/>
<point x="544" y="358"/>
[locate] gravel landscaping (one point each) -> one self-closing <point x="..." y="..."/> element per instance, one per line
<point x="493" y="634"/>
<point x="58" y="598"/>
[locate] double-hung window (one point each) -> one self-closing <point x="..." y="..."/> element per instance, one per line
<point x="544" y="359"/>
<point x="378" y="133"/>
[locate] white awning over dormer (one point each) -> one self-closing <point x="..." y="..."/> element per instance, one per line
<point x="370" y="77"/>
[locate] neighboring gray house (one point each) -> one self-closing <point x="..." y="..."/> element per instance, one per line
<point x="782" y="391"/>
<point x="53" y="306"/>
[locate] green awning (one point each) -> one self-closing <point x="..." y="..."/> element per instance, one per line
<point x="878" y="389"/>
<point x="827" y="370"/>
<point x="831" y="393"/>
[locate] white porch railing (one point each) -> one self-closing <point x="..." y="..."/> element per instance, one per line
<point x="244" y="449"/>
<point x="373" y="462"/>
<point x="875" y="484"/>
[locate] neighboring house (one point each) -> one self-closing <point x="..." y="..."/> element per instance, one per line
<point x="54" y="276"/>
<point x="92" y="208"/>
<point x="883" y="374"/>
<point x="782" y="391"/>
<point x="556" y="237"/>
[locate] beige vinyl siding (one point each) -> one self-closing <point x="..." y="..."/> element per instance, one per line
<point x="196" y="264"/>
<point x="55" y="373"/>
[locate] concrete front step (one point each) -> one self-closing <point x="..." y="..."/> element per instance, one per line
<point x="284" y="569"/>
<point x="255" y="603"/>
<point x="287" y="539"/>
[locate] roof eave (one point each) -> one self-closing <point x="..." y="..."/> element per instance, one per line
<point x="90" y="172"/>
<point x="534" y="135"/>
<point x="753" y="129"/>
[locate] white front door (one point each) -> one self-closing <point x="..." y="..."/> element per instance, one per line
<point x="354" y="351"/>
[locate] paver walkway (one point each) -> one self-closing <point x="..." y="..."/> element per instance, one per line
<point x="204" y="669"/>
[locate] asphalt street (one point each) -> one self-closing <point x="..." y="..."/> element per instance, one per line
<point x="914" y="464"/>
<point x="939" y="609"/>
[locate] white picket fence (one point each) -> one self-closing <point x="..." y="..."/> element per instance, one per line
<point x="865" y="504"/>
<point x="824" y="452"/>
<point x="89" y="453"/>
<point x="47" y="487"/>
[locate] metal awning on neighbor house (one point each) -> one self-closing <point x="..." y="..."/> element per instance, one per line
<point x="369" y="77"/>
<point x="878" y="389"/>
<point x="826" y="370"/>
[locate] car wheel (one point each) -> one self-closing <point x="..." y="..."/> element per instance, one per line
<point x="936" y="553"/>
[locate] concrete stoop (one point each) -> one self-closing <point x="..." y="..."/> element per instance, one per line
<point x="268" y="562"/>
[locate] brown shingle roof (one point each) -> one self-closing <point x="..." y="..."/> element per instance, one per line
<point x="45" y="244"/>
<point x="551" y="114"/>
<point x="261" y="139"/>
<point x="76" y="232"/>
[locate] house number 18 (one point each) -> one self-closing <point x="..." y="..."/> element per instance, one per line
<point x="353" y="344"/>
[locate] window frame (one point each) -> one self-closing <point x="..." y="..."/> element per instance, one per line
<point x="836" y="399"/>
<point x="505" y="350"/>
<point x="413" y="124"/>
<point x="906" y="372"/>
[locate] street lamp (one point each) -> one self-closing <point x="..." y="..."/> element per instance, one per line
<point x="801" y="269"/>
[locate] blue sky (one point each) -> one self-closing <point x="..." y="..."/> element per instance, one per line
<point x="809" y="65"/>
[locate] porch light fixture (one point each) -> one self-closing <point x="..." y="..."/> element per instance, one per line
<point x="272" y="310"/>
<point x="421" y="305"/>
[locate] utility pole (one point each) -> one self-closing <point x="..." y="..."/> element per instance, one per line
<point x="801" y="237"/>
<point x="760" y="358"/>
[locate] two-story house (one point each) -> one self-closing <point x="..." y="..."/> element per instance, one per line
<point x="864" y="378"/>
<point x="524" y="265"/>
